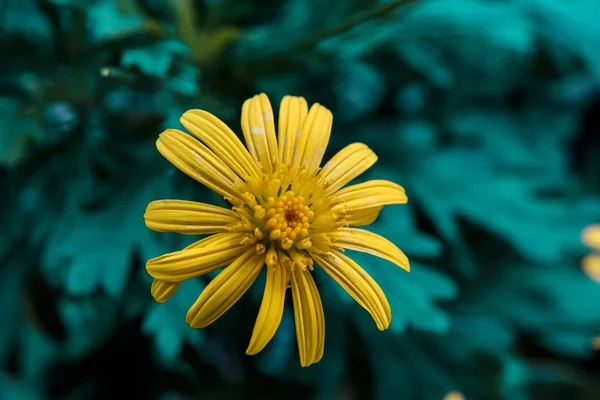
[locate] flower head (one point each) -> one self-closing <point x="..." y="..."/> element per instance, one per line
<point x="591" y="262"/>
<point x="287" y="214"/>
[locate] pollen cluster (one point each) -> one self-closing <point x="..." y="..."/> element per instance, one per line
<point x="280" y="222"/>
<point x="288" y="219"/>
<point x="285" y="219"/>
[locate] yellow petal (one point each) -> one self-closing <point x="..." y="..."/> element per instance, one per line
<point x="259" y="131"/>
<point x="591" y="266"/>
<point x="197" y="161"/>
<point x="292" y="114"/>
<point x="358" y="284"/>
<point x="369" y="194"/>
<point x="214" y="239"/>
<point x="225" y="289"/>
<point x="346" y="165"/>
<point x="364" y="216"/>
<point x="312" y="143"/>
<point x="163" y="290"/>
<point x="308" y="316"/>
<point x="222" y="141"/>
<point x="369" y="242"/>
<point x="197" y="261"/>
<point x="591" y="236"/>
<point x="188" y="217"/>
<point x="271" y="309"/>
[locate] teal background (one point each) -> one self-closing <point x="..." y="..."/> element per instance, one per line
<point x="487" y="112"/>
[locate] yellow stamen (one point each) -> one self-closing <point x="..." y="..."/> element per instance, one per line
<point x="249" y="199"/>
<point x="248" y="239"/>
<point x="304" y="244"/>
<point x="271" y="259"/>
<point x="259" y="212"/>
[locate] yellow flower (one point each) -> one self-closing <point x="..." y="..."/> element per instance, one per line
<point x="287" y="213"/>
<point x="596" y="343"/>
<point x="454" y="395"/>
<point x="591" y="263"/>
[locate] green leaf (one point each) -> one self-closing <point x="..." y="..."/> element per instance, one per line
<point x="413" y="296"/>
<point x="12" y="275"/>
<point x="22" y="389"/>
<point x="37" y="353"/>
<point x="397" y="223"/>
<point x="18" y="132"/>
<point x="109" y="23"/>
<point x="88" y="250"/>
<point x="530" y="140"/>
<point x="154" y="60"/>
<point x="185" y="81"/>
<point x="360" y="87"/>
<point x="427" y="37"/>
<point x="557" y="304"/>
<point x="165" y="322"/>
<point x="88" y="323"/>
<point x="25" y="19"/>
<point x="507" y="204"/>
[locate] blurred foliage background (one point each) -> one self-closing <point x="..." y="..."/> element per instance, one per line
<point x="487" y="111"/>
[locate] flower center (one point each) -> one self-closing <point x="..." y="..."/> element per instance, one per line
<point x="287" y="219"/>
<point x="286" y="215"/>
